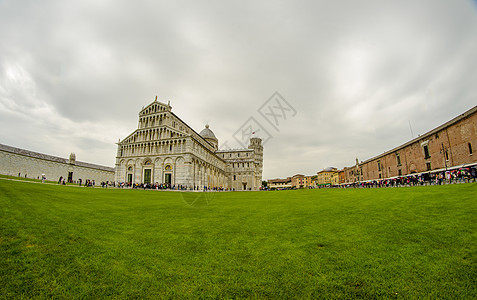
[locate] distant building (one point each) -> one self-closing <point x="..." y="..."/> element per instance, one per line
<point x="449" y="146"/>
<point x="341" y="176"/>
<point x="298" y="181"/>
<point x="279" y="183"/>
<point x="165" y="150"/>
<point x="302" y="181"/>
<point x="310" y="181"/>
<point x="328" y="176"/>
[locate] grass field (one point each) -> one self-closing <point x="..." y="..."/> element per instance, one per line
<point x="70" y="242"/>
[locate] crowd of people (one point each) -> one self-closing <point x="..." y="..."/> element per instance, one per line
<point x="168" y="186"/>
<point x="153" y="186"/>
<point x="87" y="183"/>
<point x="461" y="175"/>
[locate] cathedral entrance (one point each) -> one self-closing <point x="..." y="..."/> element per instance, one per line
<point x="244" y="185"/>
<point x="168" y="178"/>
<point x="129" y="175"/>
<point x="147" y="176"/>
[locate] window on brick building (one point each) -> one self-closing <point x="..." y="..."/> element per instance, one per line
<point x="235" y="177"/>
<point x="379" y="166"/>
<point x="399" y="172"/>
<point x="428" y="166"/>
<point x="426" y="152"/>
<point x="447" y="155"/>
<point x="398" y="159"/>
<point x="470" y="148"/>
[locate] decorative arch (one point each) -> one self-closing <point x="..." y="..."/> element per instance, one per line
<point x="168" y="160"/>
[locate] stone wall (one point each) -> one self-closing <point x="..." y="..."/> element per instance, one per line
<point x="14" y="161"/>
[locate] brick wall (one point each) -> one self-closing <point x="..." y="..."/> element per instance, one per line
<point x="446" y="146"/>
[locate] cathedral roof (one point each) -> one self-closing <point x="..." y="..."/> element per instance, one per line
<point x="207" y="133"/>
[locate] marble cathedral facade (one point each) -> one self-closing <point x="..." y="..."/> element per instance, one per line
<point x="165" y="150"/>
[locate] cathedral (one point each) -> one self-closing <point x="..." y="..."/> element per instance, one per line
<point x="165" y="150"/>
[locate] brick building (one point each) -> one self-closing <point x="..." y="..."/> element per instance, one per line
<point x="449" y="146"/>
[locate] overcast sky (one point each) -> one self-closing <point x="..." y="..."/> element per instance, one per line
<point x="360" y="77"/>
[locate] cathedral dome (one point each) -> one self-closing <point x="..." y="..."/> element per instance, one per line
<point x="207" y="133"/>
<point x="209" y="136"/>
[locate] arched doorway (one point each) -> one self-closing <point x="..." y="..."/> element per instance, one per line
<point x="147" y="172"/>
<point x="129" y="174"/>
<point x="168" y="174"/>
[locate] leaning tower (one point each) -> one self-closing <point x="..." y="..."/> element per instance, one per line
<point x="256" y="146"/>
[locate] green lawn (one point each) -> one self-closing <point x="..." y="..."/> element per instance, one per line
<point x="70" y="242"/>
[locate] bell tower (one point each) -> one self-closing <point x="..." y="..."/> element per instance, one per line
<point x="256" y="146"/>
